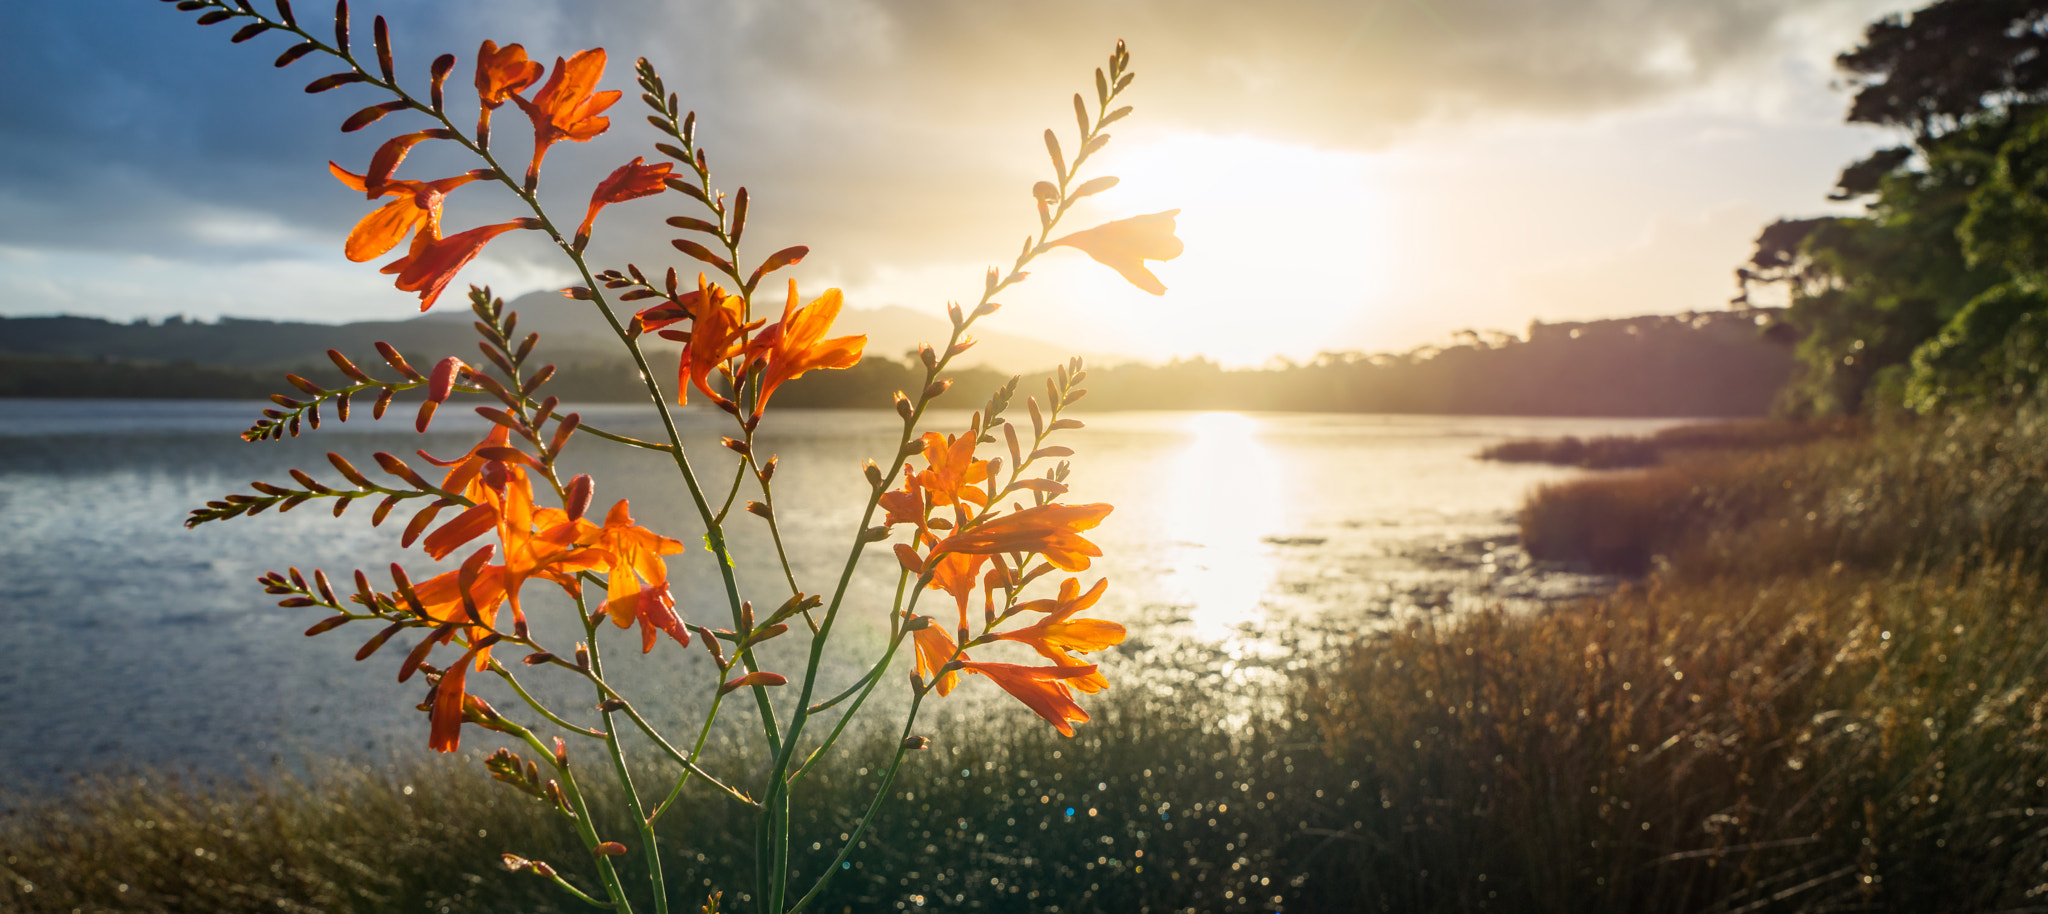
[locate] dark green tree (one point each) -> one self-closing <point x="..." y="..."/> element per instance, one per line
<point x="1912" y="303"/>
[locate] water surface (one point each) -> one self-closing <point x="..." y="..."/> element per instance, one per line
<point x="127" y="640"/>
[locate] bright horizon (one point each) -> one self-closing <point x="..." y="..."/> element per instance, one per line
<point x="1593" y="164"/>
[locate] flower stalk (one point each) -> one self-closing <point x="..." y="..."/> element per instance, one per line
<point x="516" y="531"/>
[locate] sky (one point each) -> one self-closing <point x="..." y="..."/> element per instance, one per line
<point x="1365" y="175"/>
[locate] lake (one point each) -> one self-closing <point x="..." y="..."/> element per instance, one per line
<point x="1237" y="541"/>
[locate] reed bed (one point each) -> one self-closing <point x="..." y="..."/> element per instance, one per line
<point x="1614" y="452"/>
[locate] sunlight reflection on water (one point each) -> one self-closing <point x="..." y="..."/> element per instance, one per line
<point x="1227" y="502"/>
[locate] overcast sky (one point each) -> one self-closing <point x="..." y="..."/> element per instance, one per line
<point x="1372" y="174"/>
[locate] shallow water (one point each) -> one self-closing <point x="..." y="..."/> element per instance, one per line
<point x="128" y="640"/>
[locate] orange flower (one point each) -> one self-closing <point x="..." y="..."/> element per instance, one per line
<point x="466" y="477"/>
<point x="637" y="586"/>
<point x="1125" y="245"/>
<point x="934" y="650"/>
<point x="445" y="720"/>
<point x="435" y="261"/>
<point x="904" y="505"/>
<point x="441" y="597"/>
<point x="1049" y="530"/>
<point x="568" y="107"/>
<point x="1059" y="633"/>
<point x="630" y="181"/>
<point x="952" y="470"/>
<point x="538" y="542"/>
<point x="385" y="161"/>
<point x="465" y="474"/>
<point x="542" y="542"/>
<point x="502" y="72"/>
<point x="719" y="323"/>
<point x="797" y="344"/>
<point x="417" y="207"/>
<point x="1040" y="688"/>
<point x="955" y="574"/>
<point x="656" y="318"/>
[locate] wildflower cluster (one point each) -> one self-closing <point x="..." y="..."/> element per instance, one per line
<point x="502" y="516"/>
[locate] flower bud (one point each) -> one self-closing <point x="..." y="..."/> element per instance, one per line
<point x="581" y="490"/>
<point x="442" y="382"/>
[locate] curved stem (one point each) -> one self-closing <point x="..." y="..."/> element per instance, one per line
<point x="580" y="813"/>
<point x="689" y="763"/>
<point x="696" y="752"/>
<point x="534" y="703"/>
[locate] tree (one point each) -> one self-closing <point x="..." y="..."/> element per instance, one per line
<point x="1948" y="64"/>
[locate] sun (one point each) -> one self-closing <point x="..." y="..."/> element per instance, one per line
<point x="1288" y="251"/>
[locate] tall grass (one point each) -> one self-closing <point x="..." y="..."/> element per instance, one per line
<point x="1831" y="696"/>
<point x="1918" y="495"/>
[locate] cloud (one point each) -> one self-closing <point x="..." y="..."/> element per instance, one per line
<point x="894" y="132"/>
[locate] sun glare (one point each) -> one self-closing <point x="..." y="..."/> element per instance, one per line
<point x="1288" y="247"/>
<point x="1227" y="502"/>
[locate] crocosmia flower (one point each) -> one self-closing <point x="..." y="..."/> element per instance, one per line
<point x="637" y="579"/>
<point x="1049" y="530"/>
<point x="951" y="470"/>
<point x="417" y="207"/>
<point x="797" y="343"/>
<point x="1059" y="634"/>
<point x="435" y="261"/>
<point x="1041" y="688"/>
<point x="1125" y="245"/>
<point x="568" y="107"/>
<point x="503" y="72"/>
<point x="630" y="181"/>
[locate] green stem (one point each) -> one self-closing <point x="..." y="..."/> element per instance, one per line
<point x="581" y="815"/>
<point x="534" y="703"/>
<point x="874" y="678"/>
<point x="582" y="896"/>
<point x="688" y="763"/>
<point x="696" y="752"/>
<point x="874" y="806"/>
<point x="655" y="879"/>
